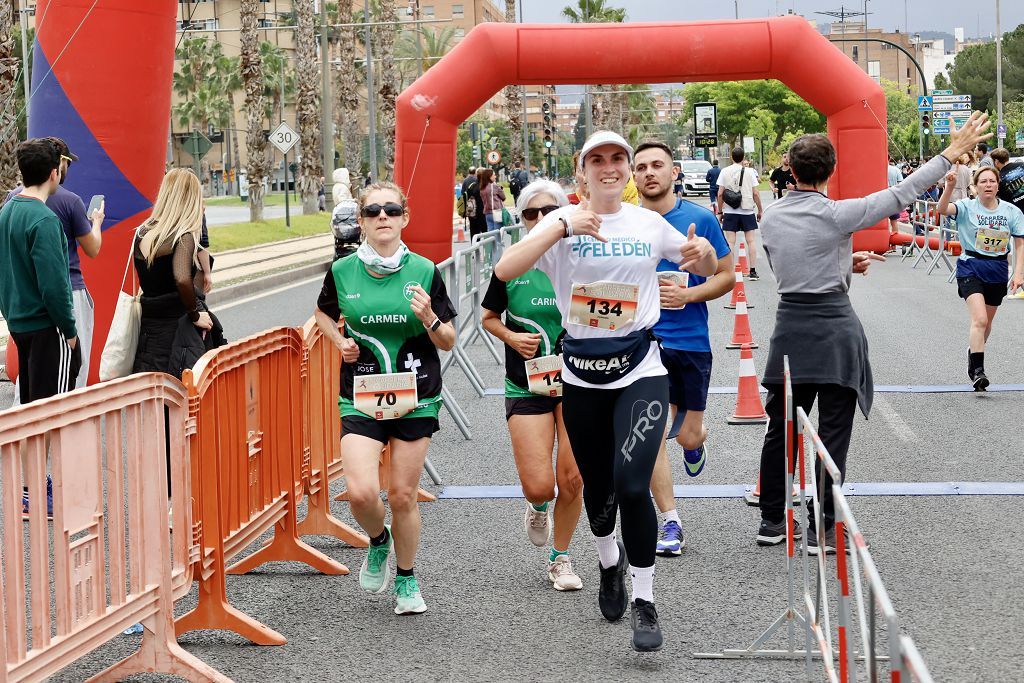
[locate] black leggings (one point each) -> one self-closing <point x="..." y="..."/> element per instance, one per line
<point x="615" y="436"/>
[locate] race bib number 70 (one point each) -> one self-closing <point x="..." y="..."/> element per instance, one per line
<point x="607" y="305"/>
<point x="385" y="397"/>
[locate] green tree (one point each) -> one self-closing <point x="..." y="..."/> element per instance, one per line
<point x="307" y="106"/>
<point x="199" y="84"/>
<point x="252" y="78"/>
<point x="278" y="80"/>
<point x="594" y="12"/>
<point x="10" y="68"/>
<point x="903" y="125"/>
<point x="737" y="99"/>
<point x="972" y="71"/>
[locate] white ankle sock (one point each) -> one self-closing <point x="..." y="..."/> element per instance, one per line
<point x="643" y="582"/>
<point x="670" y="516"/>
<point x="607" y="550"/>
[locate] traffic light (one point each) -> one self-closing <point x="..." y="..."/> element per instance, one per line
<point x="545" y="108"/>
<point x="926" y="122"/>
<point x="547" y="137"/>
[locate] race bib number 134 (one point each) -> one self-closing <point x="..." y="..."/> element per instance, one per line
<point x="607" y="305"/>
<point x="385" y="397"/>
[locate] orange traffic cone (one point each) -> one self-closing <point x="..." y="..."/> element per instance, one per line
<point x="741" y="328"/>
<point x="737" y="288"/>
<point x="749" y="408"/>
<point x="460" y="235"/>
<point x="742" y="261"/>
<point x="753" y="498"/>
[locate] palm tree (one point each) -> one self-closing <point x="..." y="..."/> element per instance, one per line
<point x="638" y="112"/>
<point x="513" y="103"/>
<point x="307" y="113"/>
<point x="596" y="11"/>
<point x="9" y="68"/>
<point x="197" y="83"/>
<point x="229" y="70"/>
<point x="387" y="90"/>
<point x="433" y="45"/>
<point x="252" y="77"/>
<point x="278" y="80"/>
<point x="347" y="93"/>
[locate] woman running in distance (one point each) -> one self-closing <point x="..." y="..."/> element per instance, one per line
<point x="395" y="311"/>
<point x="602" y="258"/>
<point x="532" y="334"/>
<point x="985" y="225"/>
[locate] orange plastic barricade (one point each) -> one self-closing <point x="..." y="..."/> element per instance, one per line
<point x="114" y="559"/>
<point x="322" y="454"/>
<point x="246" y="403"/>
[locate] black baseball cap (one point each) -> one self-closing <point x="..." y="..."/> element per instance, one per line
<point x="62" y="148"/>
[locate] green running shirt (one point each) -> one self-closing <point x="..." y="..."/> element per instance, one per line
<point x="528" y="303"/>
<point x="379" y="318"/>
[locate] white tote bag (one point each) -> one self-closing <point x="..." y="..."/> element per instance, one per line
<point x="123" y="339"/>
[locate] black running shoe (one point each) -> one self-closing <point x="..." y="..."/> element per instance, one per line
<point x="774" y="533"/>
<point x="646" y="631"/>
<point x="611" y="597"/>
<point x="753" y="275"/>
<point x="979" y="379"/>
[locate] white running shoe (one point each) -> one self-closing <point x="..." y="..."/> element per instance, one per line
<point x="561" y="574"/>
<point x="538" y="525"/>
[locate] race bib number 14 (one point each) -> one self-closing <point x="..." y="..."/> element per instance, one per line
<point x="385" y="397"/>
<point x="607" y="305"/>
<point x="678" y="278"/>
<point x="544" y="375"/>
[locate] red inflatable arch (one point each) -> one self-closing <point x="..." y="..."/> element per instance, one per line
<point x="494" y="55"/>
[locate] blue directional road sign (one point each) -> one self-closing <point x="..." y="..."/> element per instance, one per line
<point x="924" y="103"/>
<point x="942" y="92"/>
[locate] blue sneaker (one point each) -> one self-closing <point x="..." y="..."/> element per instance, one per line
<point x="695" y="460"/>
<point x="670" y="539"/>
<point x="49" y="501"/>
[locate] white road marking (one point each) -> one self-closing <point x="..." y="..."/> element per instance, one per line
<point x="271" y="292"/>
<point x="897" y="423"/>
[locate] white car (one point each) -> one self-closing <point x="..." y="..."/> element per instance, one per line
<point x="695" y="173"/>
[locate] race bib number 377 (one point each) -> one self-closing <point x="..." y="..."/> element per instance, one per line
<point x="385" y="397"/>
<point x="607" y="305"/>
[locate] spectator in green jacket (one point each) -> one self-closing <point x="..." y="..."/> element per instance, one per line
<point x="35" y="289"/>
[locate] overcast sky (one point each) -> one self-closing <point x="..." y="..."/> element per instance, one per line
<point x="922" y="15"/>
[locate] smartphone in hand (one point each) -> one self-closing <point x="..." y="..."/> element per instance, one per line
<point x="94" y="204"/>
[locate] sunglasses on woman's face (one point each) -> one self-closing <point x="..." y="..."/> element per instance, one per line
<point x="531" y="214"/>
<point x="391" y="208"/>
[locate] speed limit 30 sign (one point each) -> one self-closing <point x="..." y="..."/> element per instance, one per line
<point x="284" y="138"/>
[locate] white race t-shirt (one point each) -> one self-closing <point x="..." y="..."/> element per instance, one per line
<point x="730" y="180"/>
<point x="638" y="239"/>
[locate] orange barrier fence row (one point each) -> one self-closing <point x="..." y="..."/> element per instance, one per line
<point x="114" y="562"/>
<point x="248" y="457"/>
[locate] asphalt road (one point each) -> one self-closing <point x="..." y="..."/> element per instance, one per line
<point x="949" y="562"/>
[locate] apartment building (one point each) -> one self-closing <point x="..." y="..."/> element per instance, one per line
<point x="879" y="60"/>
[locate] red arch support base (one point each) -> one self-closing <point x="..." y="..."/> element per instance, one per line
<point x="784" y="48"/>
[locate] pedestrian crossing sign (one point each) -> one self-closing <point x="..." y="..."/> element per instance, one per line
<point x="924" y="103"/>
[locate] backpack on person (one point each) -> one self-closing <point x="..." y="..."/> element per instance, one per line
<point x="515" y="182"/>
<point x="734" y="198"/>
<point x="471" y="207"/>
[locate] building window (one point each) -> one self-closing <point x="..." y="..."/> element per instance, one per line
<point x="457" y="11"/>
<point x="198" y="25"/>
<point x="856" y="53"/>
<point x="874" y="70"/>
<point x="428" y="10"/>
<point x="460" y="33"/>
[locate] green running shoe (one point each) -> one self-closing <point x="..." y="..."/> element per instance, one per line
<point x="407" y="596"/>
<point x="375" y="572"/>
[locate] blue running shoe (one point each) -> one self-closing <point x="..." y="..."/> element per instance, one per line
<point x="670" y="540"/>
<point x="695" y="460"/>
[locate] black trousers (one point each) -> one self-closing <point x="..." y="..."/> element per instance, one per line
<point x="615" y="436"/>
<point x="47" y="366"/>
<point x="836" y="407"/>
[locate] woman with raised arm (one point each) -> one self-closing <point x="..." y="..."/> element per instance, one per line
<point x="602" y="257"/>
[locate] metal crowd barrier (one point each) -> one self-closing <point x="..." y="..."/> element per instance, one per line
<point x="855" y="568"/>
<point x="114" y="559"/>
<point x="853" y="561"/>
